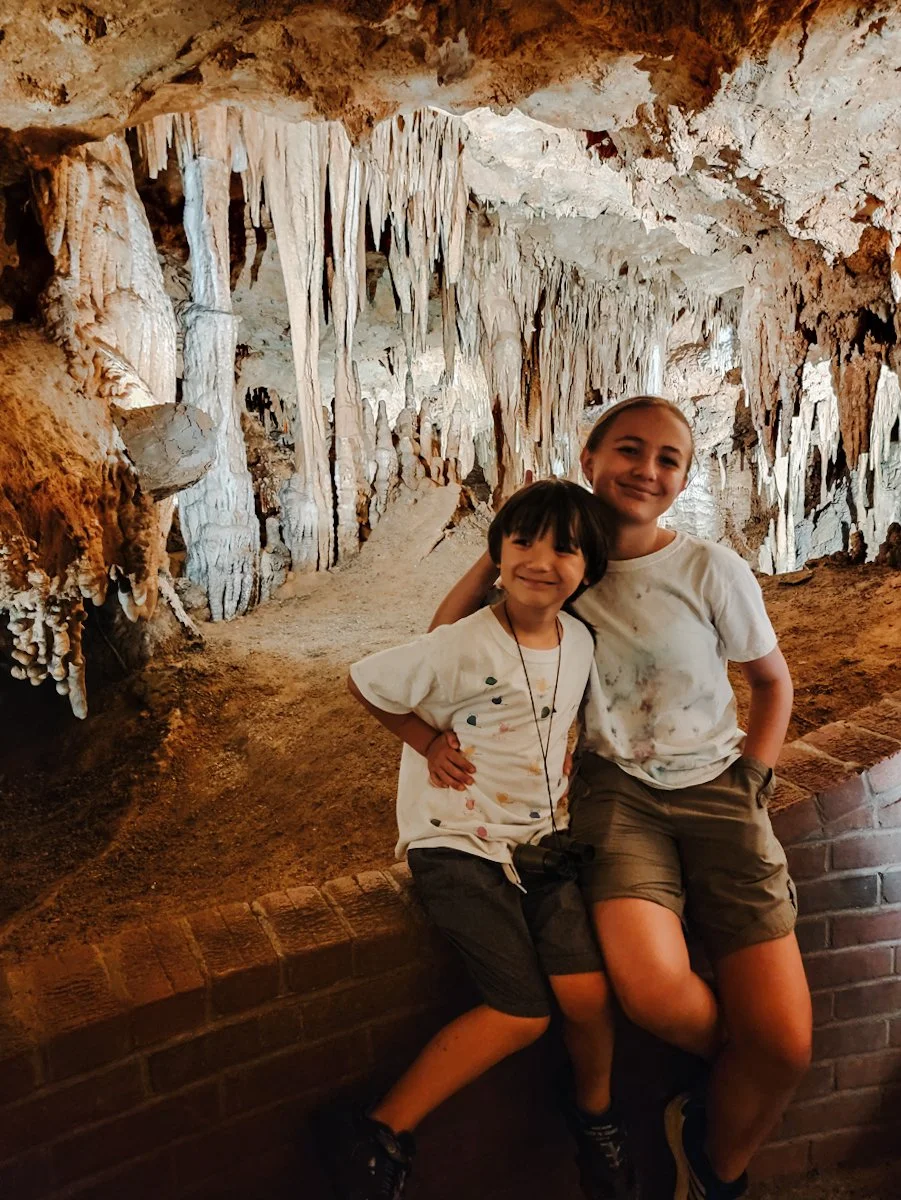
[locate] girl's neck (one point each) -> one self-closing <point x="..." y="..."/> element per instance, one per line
<point x="536" y="629"/>
<point x="635" y="541"/>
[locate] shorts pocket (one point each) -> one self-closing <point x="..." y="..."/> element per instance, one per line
<point x="763" y="776"/>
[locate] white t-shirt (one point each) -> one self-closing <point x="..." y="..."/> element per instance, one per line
<point x="666" y="625"/>
<point x="468" y="677"/>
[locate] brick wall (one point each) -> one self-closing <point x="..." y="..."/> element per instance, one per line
<point x="838" y="812"/>
<point x="181" y="1059"/>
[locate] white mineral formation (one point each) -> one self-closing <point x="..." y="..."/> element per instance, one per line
<point x="106" y="307"/>
<point x="455" y="247"/>
<point x="218" y="520"/>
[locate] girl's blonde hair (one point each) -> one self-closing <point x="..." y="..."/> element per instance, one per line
<point x="603" y="423"/>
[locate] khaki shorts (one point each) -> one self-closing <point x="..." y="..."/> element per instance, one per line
<point x="708" y="853"/>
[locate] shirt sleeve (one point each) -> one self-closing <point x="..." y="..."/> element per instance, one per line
<point x="401" y="679"/>
<point x="739" y="613"/>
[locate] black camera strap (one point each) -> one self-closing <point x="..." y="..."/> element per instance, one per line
<point x="543" y="746"/>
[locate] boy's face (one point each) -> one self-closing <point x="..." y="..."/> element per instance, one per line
<point x="536" y="574"/>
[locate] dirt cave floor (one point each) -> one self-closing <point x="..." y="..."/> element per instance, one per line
<point x="230" y="770"/>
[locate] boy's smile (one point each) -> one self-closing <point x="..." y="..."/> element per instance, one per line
<point x="537" y="574"/>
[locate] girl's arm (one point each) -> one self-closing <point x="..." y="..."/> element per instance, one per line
<point x="448" y="767"/>
<point x="771" y="706"/>
<point x="468" y="593"/>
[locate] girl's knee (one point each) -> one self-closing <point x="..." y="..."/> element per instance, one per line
<point x="648" y="1002"/>
<point x="784" y="1052"/>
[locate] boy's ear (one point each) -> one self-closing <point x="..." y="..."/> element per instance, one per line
<point x="585" y="464"/>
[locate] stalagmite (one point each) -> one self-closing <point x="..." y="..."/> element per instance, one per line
<point x="386" y="466"/>
<point x="411" y="469"/>
<point x="218" y="521"/>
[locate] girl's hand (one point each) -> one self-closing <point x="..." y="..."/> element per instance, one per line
<point x="448" y="765"/>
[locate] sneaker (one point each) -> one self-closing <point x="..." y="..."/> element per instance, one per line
<point x="366" y="1160"/>
<point x="605" y="1166"/>
<point x="695" y="1178"/>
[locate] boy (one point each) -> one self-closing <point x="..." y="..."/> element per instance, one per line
<point x="484" y="707"/>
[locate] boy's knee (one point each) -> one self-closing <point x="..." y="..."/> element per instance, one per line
<point x="586" y="1003"/>
<point x="523" y="1031"/>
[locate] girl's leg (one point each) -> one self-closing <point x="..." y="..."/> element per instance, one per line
<point x="648" y="965"/>
<point x="457" y="1055"/>
<point x="767" y="1013"/>
<point x="587" y="1013"/>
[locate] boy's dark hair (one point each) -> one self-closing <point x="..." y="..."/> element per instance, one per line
<point x="573" y="515"/>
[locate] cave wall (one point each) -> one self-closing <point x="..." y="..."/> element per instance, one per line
<point x="438" y="269"/>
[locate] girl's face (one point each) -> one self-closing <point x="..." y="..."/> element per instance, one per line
<point x="641" y="464"/>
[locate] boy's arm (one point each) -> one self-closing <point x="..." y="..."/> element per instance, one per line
<point x="448" y="767"/>
<point x="771" y="705"/>
<point x="468" y="593"/>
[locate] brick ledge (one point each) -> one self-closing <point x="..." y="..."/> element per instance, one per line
<point x="136" y="1023"/>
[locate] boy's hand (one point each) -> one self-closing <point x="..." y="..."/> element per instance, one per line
<point x="448" y="765"/>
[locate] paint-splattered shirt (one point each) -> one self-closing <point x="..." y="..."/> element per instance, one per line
<point x="666" y="626"/>
<point x="468" y="677"/>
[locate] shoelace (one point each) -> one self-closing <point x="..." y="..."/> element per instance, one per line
<point x="389" y="1176"/>
<point x="607" y="1139"/>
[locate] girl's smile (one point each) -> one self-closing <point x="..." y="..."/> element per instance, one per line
<point x="640" y="465"/>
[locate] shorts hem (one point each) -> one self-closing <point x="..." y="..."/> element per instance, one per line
<point x="574" y="967"/>
<point x="525" y="1011"/>
<point x="599" y="895"/>
<point x="743" y="941"/>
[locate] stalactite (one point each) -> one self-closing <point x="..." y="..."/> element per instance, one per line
<point x="417" y="184"/>
<point x="218" y="520"/>
<point x="290" y="162"/>
<point x="526" y="337"/>
<point x="346" y="196"/>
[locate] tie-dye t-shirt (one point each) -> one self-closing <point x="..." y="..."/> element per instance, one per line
<point x="666" y="625"/>
<point x="468" y="677"/>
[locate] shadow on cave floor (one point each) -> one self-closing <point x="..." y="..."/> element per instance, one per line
<point x="228" y="771"/>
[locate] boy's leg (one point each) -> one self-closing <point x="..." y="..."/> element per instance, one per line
<point x="480" y="912"/>
<point x="568" y="951"/>
<point x="457" y="1055"/>
<point x="587" y="1012"/>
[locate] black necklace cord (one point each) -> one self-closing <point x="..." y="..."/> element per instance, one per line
<point x="544" y="747"/>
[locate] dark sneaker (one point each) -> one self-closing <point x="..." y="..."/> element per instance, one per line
<point x="605" y="1166"/>
<point x="366" y="1160"/>
<point x="695" y="1178"/>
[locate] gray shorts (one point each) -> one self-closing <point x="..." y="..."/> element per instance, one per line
<point x="510" y="941"/>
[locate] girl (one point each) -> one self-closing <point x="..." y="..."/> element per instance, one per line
<point x="673" y="795"/>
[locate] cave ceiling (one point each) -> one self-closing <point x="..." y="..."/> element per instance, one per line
<point x="709" y="122"/>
